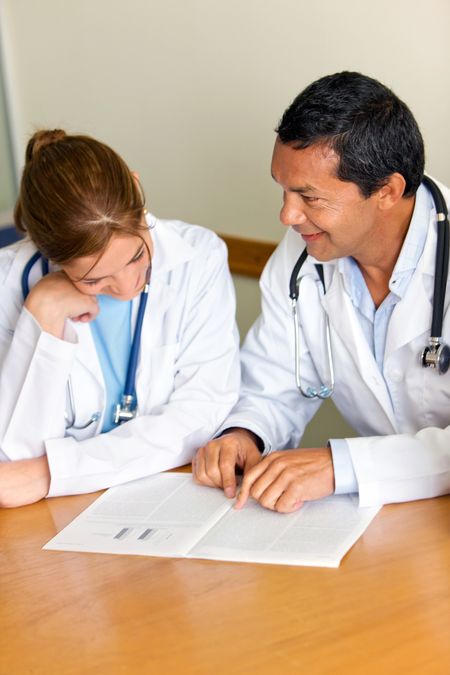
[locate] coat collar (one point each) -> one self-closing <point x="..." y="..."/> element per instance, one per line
<point x="23" y="250"/>
<point x="170" y="248"/>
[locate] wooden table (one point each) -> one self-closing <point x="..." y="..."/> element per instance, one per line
<point x="385" y="610"/>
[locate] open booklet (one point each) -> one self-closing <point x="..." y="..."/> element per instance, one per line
<point x="168" y="515"/>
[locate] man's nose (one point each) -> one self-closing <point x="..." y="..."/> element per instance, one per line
<point x="292" y="211"/>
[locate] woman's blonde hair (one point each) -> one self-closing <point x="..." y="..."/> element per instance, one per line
<point x="75" y="194"/>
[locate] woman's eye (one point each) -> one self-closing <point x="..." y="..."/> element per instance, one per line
<point x="138" y="256"/>
<point x="90" y="283"/>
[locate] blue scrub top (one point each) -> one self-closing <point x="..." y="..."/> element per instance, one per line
<point x="111" y="331"/>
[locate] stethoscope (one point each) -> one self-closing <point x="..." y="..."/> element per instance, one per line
<point x="127" y="408"/>
<point x="436" y="354"/>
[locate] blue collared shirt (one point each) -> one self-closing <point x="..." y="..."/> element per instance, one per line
<point x="375" y="321"/>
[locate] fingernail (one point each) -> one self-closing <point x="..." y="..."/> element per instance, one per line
<point x="229" y="492"/>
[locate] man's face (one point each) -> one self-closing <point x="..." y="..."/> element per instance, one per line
<point x="332" y="216"/>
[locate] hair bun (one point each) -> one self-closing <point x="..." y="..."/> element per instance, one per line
<point x="41" y="139"/>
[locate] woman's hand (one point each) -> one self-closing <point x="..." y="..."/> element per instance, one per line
<point x="54" y="299"/>
<point x="24" y="481"/>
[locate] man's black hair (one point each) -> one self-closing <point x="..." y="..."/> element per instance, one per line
<point x="372" y="131"/>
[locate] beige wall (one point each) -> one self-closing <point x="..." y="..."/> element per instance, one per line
<point x="189" y="91"/>
<point x="7" y="178"/>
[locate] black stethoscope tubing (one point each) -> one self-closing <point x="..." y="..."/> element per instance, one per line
<point x="442" y="255"/>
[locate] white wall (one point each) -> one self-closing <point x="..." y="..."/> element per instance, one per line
<point x="189" y="91"/>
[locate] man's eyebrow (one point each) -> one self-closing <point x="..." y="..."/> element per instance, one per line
<point x="301" y="189"/>
<point x="139" y="249"/>
<point x="304" y="189"/>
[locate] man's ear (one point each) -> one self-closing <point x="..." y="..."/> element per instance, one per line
<point x="391" y="192"/>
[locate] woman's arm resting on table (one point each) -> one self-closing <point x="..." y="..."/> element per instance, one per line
<point x="24" y="481"/>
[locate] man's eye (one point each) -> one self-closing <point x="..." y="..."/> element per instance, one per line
<point x="90" y="283"/>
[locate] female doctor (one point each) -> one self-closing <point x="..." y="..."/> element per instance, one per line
<point x="71" y="300"/>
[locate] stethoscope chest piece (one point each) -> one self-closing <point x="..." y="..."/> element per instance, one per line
<point x="126" y="410"/>
<point x="436" y="356"/>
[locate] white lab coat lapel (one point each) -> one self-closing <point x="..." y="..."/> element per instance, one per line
<point x="170" y="251"/>
<point x="159" y="301"/>
<point x="87" y="354"/>
<point x="344" y="321"/>
<point x="87" y="377"/>
<point x="411" y="317"/>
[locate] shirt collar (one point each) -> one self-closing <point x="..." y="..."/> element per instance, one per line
<point x="409" y="256"/>
<point x="416" y="235"/>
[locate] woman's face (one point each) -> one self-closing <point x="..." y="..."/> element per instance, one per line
<point x="119" y="272"/>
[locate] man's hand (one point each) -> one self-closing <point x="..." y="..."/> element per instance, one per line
<point x="284" y="480"/>
<point x="215" y="463"/>
<point x="23" y="481"/>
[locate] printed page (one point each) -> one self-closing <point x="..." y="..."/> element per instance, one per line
<point x="319" y="534"/>
<point x="162" y="515"/>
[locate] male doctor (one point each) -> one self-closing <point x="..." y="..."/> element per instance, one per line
<point x="349" y="159"/>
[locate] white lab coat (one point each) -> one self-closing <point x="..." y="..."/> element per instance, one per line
<point x="187" y="378"/>
<point x="402" y="455"/>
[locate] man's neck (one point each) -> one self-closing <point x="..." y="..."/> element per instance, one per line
<point x="378" y="262"/>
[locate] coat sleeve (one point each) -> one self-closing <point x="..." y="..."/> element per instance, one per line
<point x="34" y="367"/>
<point x="270" y="404"/>
<point x="205" y="388"/>
<point x="402" y="467"/>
